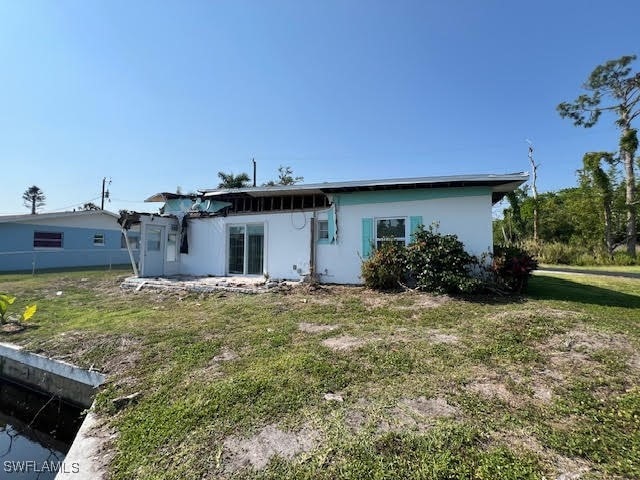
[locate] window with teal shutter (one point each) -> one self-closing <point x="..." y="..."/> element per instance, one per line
<point x="332" y="224"/>
<point x="367" y="236"/>
<point x="414" y="223"/>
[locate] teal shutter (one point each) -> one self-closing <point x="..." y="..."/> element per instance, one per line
<point x="332" y="224"/>
<point x="414" y="223"/>
<point x="367" y="237"/>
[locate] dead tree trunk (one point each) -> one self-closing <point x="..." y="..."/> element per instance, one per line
<point x="628" y="147"/>
<point x="534" y="193"/>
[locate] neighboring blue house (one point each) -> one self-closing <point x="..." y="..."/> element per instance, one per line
<point x="62" y="240"/>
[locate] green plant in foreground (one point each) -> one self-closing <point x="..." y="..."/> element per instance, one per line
<point x="385" y="270"/>
<point x="439" y="263"/>
<point x="5" y="301"/>
<point x="512" y="267"/>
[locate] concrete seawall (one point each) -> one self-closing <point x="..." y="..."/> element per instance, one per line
<point x="62" y="379"/>
<point x="71" y="383"/>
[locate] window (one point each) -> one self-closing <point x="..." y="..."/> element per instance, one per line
<point x="134" y="241"/>
<point x="98" y="240"/>
<point x="323" y="230"/>
<point x="47" y="239"/>
<point x="172" y="247"/>
<point x="391" y="229"/>
<point x="154" y="238"/>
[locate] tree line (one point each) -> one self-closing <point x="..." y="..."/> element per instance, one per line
<point x="242" y="180"/>
<point x="599" y="215"/>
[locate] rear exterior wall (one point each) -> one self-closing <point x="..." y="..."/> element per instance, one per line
<point x="465" y="212"/>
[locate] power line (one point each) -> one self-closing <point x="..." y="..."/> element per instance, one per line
<point x="73" y="205"/>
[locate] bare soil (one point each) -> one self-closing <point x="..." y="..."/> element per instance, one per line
<point x="256" y="451"/>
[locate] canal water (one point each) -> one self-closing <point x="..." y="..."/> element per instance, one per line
<point x="36" y="432"/>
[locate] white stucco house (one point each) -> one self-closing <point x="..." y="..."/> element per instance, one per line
<point x="325" y="229"/>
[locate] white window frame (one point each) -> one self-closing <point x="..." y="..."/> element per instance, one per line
<point x="320" y="238"/>
<point x="245" y="260"/>
<point x="95" y="237"/>
<point x="405" y="239"/>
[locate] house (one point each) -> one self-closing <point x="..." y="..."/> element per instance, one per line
<point x="63" y="240"/>
<point x="324" y="230"/>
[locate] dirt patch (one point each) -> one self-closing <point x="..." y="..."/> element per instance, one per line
<point x="429" y="407"/>
<point x="257" y="451"/>
<point x="225" y="355"/>
<point x="589" y="341"/>
<point x="343" y="343"/>
<point x="492" y="388"/>
<point x="537" y="313"/>
<point x="12" y="328"/>
<point x="435" y="336"/>
<point x="409" y="300"/>
<point x="423" y="301"/>
<point x="542" y="393"/>
<point x="377" y="300"/>
<point x="634" y="362"/>
<point x="417" y="414"/>
<point x="564" y="468"/>
<point x="316" y="328"/>
<point x="575" y="349"/>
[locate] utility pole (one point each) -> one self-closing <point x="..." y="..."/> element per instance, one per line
<point x="254" y="171"/>
<point x="534" y="191"/>
<point x="105" y="193"/>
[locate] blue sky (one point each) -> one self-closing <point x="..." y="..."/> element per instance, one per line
<point x="157" y="95"/>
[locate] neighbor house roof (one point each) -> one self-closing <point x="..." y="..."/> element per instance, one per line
<point x="81" y="213"/>
<point x="499" y="184"/>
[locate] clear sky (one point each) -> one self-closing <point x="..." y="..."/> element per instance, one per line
<point x="162" y="94"/>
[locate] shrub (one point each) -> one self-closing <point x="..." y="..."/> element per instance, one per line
<point x="512" y="267"/>
<point x="623" y="258"/>
<point x="385" y="268"/>
<point x="559" y="253"/>
<point x="439" y="263"/>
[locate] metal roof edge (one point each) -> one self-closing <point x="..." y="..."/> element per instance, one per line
<point x="506" y="178"/>
<point x="29" y="216"/>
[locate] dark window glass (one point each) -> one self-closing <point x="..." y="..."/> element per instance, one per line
<point x="47" y="239"/>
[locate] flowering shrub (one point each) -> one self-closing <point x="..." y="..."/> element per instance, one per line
<point x="512" y="267"/>
<point x="432" y="262"/>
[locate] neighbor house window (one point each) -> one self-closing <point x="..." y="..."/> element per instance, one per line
<point x="391" y="230"/>
<point x="98" y="240"/>
<point x="47" y="239"/>
<point x="134" y="241"/>
<point x="323" y="230"/>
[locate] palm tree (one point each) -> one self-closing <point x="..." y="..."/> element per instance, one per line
<point x="33" y="198"/>
<point x="229" y="180"/>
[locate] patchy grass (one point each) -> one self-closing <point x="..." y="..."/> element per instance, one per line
<point x="432" y="387"/>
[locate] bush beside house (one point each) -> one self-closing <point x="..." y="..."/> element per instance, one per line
<point x="438" y="263"/>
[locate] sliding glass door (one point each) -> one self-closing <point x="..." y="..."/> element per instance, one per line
<point x="246" y="249"/>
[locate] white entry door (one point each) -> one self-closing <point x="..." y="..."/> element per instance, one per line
<point x="154" y="251"/>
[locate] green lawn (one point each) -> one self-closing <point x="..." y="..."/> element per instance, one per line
<point x="432" y="387"/>
<point x="603" y="268"/>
